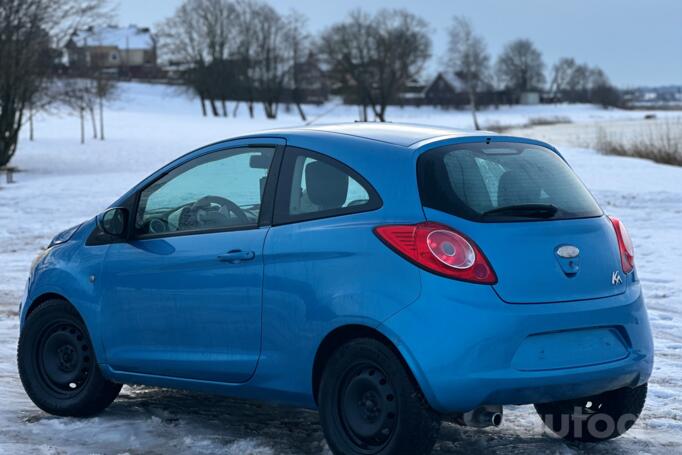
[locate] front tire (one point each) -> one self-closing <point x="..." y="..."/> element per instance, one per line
<point x="370" y="406"/>
<point x="57" y="363"/>
<point x="596" y="418"/>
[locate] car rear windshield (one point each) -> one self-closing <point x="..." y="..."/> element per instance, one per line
<point x="502" y="182"/>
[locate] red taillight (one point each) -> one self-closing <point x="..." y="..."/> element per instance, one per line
<point x="439" y="249"/>
<point x="627" y="250"/>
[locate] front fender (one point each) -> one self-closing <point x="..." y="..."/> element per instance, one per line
<point x="69" y="271"/>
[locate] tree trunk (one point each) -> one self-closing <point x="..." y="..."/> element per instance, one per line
<point x="223" y="105"/>
<point x="214" y="109"/>
<point x="300" y="112"/>
<point x="236" y="108"/>
<point x="270" y="110"/>
<point x="379" y="114"/>
<point x="251" y="108"/>
<point x="94" y="122"/>
<point x="101" y="119"/>
<point x="82" y="117"/>
<point x="363" y="113"/>
<point x="472" y="103"/>
<point x="30" y="123"/>
<point x="203" y="104"/>
<point x="10" y="123"/>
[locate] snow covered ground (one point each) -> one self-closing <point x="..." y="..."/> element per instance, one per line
<point x="63" y="183"/>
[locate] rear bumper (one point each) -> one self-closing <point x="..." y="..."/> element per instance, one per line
<point x="467" y="348"/>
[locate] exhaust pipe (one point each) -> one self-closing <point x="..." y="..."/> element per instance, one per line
<point x="481" y="417"/>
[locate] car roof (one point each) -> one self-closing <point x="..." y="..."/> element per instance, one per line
<point x="401" y="134"/>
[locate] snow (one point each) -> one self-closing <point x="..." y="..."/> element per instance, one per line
<point x="63" y="183"/>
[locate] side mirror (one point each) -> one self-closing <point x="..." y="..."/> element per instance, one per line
<point x="114" y="222"/>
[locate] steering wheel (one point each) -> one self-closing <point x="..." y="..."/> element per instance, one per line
<point x="205" y="202"/>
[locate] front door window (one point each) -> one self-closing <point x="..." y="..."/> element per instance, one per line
<point x="218" y="191"/>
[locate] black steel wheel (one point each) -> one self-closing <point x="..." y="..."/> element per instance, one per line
<point x="62" y="357"/>
<point x="367" y="407"/>
<point x="57" y="363"/>
<point x="369" y="404"/>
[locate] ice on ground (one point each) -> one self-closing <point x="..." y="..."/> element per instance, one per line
<point x="63" y="183"/>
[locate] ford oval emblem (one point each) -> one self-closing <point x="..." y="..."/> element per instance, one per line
<point x="568" y="251"/>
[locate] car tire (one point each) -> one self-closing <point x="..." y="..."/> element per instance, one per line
<point x="596" y="418"/>
<point x="370" y="405"/>
<point x="57" y="363"/>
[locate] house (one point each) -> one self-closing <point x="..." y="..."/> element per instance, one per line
<point x="446" y="90"/>
<point x="529" y="97"/>
<point x="122" y="51"/>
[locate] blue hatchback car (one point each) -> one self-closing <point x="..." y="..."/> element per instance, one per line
<point x="391" y="276"/>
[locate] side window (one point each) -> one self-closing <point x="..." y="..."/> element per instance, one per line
<point x="216" y="191"/>
<point x="315" y="186"/>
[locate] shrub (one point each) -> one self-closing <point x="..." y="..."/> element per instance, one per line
<point x="662" y="143"/>
<point x="498" y="127"/>
<point x="548" y="120"/>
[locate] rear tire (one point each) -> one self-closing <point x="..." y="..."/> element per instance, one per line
<point x="596" y="418"/>
<point x="369" y="404"/>
<point x="57" y="363"/>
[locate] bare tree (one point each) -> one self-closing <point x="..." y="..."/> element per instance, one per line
<point x="106" y="89"/>
<point x="78" y="95"/>
<point x="581" y="83"/>
<point x="247" y="22"/>
<point x="520" y="66"/>
<point x="563" y="73"/>
<point x="29" y="31"/>
<point x="242" y="50"/>
<point x="601" y="90"/>
<point x="469" y="60"/>
<point x="197" y="35"/>
<point x="217" y="21"/>
<point x="234" y="49"/>
<point x="372" y="58"/>
<point x="298" y="43"/>
<point x="270" y="57"/>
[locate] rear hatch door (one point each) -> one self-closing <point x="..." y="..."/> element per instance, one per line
<point x="542" y="231"/>
<point x="525" y="257"/>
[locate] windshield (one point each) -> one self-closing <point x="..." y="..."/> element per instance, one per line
<point x="502" y="182"/>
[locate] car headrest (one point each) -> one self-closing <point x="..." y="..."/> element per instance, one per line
<point x="516" y="187"/>
<point x="326" y="186"/>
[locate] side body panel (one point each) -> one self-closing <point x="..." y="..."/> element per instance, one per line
<point x="326" y="273"/>
<point x="170" y="307"/>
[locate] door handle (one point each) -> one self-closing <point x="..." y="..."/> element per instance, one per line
<point x="236" y="256"/>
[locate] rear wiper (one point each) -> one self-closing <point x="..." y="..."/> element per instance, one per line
<point x="525" y="210"/>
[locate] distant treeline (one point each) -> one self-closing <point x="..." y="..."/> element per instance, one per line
<point x="246" y="52"/>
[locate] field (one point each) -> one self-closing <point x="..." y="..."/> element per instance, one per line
<point x="63" y="182"/>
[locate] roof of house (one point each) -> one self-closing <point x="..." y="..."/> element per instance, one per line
<point x="131" y="37"/>
<point x="451" y="79"/>
<point x="403" y="134"/>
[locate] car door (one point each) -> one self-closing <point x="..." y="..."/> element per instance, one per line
<point x="183" y="297"/>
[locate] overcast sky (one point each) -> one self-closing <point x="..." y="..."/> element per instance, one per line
<point x="637" y="42"/>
